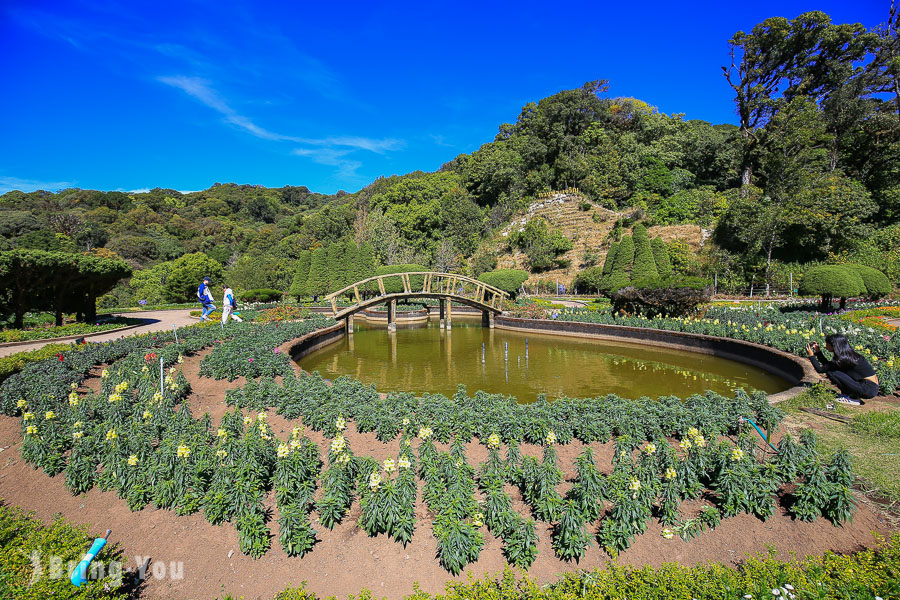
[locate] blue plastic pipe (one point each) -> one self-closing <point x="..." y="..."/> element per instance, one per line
<point x="761" y="434"/>
<point x="79" y="575"/>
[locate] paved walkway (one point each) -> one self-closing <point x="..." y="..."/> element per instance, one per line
<point x="155" y="320"/>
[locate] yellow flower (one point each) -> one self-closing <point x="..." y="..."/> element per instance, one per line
<point x="145" y="369"/>
<point x="147" y="414"/>
<point x="389" y="465"/>
<point x="374" y="480"/>
<point x="221" y="454"/>
<point x="478" y="519"/>
<point x="342" y="459"/>
<point x="248" y="419"/>
<point x="283" y="450"/>
<point x="31" y="430"/>
<point x="262" y="417"/>
<point x="295" y="443"/>
<point x="403" y="463"/>
<point x="405" y="422"/>
<point x="28" y="416"/>
<point x="295" y="432"/>
<point x="113" y="398"/>
<point x="77" y="425"/>
<point x="73" y="386"/>
<point x="551" y="438"/>
<point x="104" y="374"/>
<point x="685" y="444"/>
<point x="78" y="435"/>
<point x="180" y="359"/>
<point x="667" y="533"/>
<point x="693" y="432"/>
<point x="132" y="460"/>
<point x="73" y="399"/>
<point x="340" y="424"/>
<point x="425" y="432"/>
<point x="635" y="485"/>
<point x="122" y="387"/>
<point x="111" y="435"/>
<point x="700" y="441"/>
<point x="650" y="448"/>
<point x="737" y="455"/>
<point x="670" y="473"/>
<point x="493" y="441"/>
<point x="222" y="434"/>
<point x="183" y="451"/>
<point x="49" y="415"/>
<point x="338" y="444"/>
<point x="20" y="403"/>
<point x="157" y="397"/>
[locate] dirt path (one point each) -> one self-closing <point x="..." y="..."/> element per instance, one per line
<point x="154" y="320"/>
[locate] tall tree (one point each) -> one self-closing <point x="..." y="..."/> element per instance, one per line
<point x="301" y="276"/>
<point x="317" y="282"/>
<point x="644" y="263"/>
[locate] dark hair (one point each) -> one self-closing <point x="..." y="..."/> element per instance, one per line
<point x="845" y="356"/>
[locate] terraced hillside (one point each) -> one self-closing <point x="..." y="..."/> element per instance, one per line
<point x="589" y="233"/>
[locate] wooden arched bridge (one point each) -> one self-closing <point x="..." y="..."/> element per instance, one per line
<point x="446" y="287"/>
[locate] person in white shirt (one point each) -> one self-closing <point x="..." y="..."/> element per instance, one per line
<point x="229" y="303"/>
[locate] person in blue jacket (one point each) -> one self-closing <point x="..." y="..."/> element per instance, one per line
<point x="204" y="294"/>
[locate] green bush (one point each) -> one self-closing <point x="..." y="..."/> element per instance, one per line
<point x="667" y="296"/>
<point x="22" y="536"/>
<point x="610" y="258"/>
<point x="263" y="295"/>
<point x="877" y="424"/>
<point x="508" y="280"/>
<point x="661" y="256"/>
<point x="589" y="280"/>
<point x="876" y="283"/>
<point x="301" y="274"/>
<point x="831" y="281"/>
<point x="644" y="263"/>
<point x="394" y="285"/>
<point x="187" y="272"/>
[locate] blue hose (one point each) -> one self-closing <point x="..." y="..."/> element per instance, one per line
<point x="79" y="575"/>
<point x="763" y="436"/>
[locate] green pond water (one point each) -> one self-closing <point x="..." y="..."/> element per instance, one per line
<point x="425" y="358"/>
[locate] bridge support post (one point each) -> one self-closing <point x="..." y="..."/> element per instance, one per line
<point x="487" y="319"/>
<point x="349" y="324"/>
<point x="392" y="315"/>
<point x="441" y="311"/>
<point x="449" y="316"/>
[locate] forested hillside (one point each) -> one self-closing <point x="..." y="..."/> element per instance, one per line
<point x="810" y="174"/>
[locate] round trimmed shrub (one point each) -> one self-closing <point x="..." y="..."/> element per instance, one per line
<point x="876" y="283"/>
<point x="589" y="280"/>
<point x="832" y="281"/>
<point x="508" y="280"/>
<point x="261" y="295"/>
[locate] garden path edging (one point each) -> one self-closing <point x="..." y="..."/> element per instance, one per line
<point x="65" y="338"/>
<point x="787" y="366"/>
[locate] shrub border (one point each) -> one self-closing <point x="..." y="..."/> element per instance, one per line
<point x="65" y="338"/>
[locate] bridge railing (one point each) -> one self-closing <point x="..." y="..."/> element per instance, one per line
<point x="433" y="283"/>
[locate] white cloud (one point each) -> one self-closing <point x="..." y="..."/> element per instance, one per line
<point x="8" y="184"/>
<point x="329" y="151"/>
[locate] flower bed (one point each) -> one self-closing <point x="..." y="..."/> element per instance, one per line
<point x="47" y="332"/>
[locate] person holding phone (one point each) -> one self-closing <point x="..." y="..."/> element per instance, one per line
<point x="849" y="371"/>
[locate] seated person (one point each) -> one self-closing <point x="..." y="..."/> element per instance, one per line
<point x="849" y="371"/>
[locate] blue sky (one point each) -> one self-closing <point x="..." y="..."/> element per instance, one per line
<point x="134" y="95"/>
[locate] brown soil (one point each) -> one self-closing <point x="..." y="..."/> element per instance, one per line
<point x="345" y="560"/>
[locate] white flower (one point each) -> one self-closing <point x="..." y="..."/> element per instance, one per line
<point x="403" y="463"/>
<point x="551" y="438"/>
<point x="389" y="465"/>
<point x="374" y="480"/>
<point x="667" y="533"/>
<point x="340" y="424"/>
<point x="283" y="450"/>
<point x="650" y="448"/>
<point x="635" y="485"/>
<point x="338" y="444"/>
<point x="493" y="441"/>
<point x="737" y="455"/>
<point x="425" y="432"/>
<point x="183" y="451"/>
<point x="132" y="460"/>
